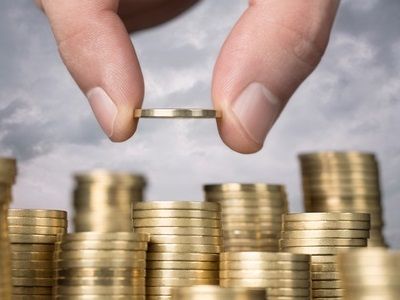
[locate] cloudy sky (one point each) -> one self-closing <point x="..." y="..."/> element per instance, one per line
<point x="351" y="102"/>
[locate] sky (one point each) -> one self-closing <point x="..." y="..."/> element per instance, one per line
<point x="351" y="102"/>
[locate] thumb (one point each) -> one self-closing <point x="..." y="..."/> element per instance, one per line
<point x="98" y="52"/>
<point x="272" y="49"/>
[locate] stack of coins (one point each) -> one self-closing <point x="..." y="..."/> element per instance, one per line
<point x="251" y="214"/>
<point x="8" y="172"/>
<point x="95" y="265"/>
<point x="370" y="274"/>
<point x="344" y="182"/>
<point x="323" y="235"/>
<point x="103" y="200"/>
<point x="184" y="244"/>
<point x="284" y="275"/>
<point x="212" y="292"/>
<point x="33" y="234"/>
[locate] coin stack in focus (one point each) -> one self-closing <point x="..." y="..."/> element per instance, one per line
<point x="251" y="214"/>
<point x="95" y="265"/>
<point x="370" y="274"/>
<point x="323" y="235"/>
<point x="284" y="275"/>
<point x="344" y="182"/>
<point x="184" y="246"/>
<point x="103" y="200"/>
<point x="33" y="234"/>
<point x="212" y="292"/>
<point x="8" y="173"/>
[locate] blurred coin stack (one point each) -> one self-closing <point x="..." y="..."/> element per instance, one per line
<point x="103" y="200"/>
<point x="213" y="292"/>
<point x="323" y="235"/>
<point x="251" y="214"/>
<point x="184" y="246"/>
<point x="94" y="265"/>
<point x="370" y="274"/>
<point x="344" y="182"/>
<point x="284" y="275"/>
<point x="33" y="234"/>
<point x="8" y="173"/>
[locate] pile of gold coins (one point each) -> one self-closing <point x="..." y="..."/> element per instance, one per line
<point x="344" y="182"/>
<point x="251" y="214"/>
<point x="213" y="292"/>
<point x="370" y="274"/>
<point x="184" y="246"/>
<point x="33" y="234"/>
<point x="284" y="275"/>
<point x="8" y="172"/>
<point x="92" y="265"/>
<point x="323" y="235"/>
<point x="100" y="196"/>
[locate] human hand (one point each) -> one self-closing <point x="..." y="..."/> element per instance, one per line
<point x="271" y="50"/>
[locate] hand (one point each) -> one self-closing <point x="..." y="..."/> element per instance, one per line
<point x="271" y="50"/>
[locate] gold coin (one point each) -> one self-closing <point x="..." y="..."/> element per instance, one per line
<point x="102" y="254"/>
<point x="251" y="187"/>
<point x="252" y="219"/>
<point x="183" y="274"/>
<point x="15" y="247"/>
<point x="189" y="239"/>
<point x="32" y="264"/>
<point x="100" y="290"/>
<point x="103" y="245"/>
<point x="327" y="293"/>
<point x="177" y="113"/>
<point x="254" y="242"/>
<point x="212" y="292"/>
<point x="176" y="256"/>
<point x="323" y="242"/>
<point x="327" y="284"/>
<point x="98" y="272"/>
<point x="178" y="213"/>
<point x="299" y="217"/>
<point x="316" y="250"/>
<point x="180" y="281"/>
<point x="263" y="256"/>
<point x="252" y="211"/>
<point x="327" y="267"/>
<point x="322" y="225"/>
<point x="181" y="265"/>
<point x="26" y="290"/>
<point x="266" y="283"/>
<point x="249" y="234"/>
<point x="50" y="222"/>
<point x="288" y="292"/>
<point x="318" y="259"/>
<point x="176" y="222"/>
<point x="100" y="297"/>
<point x="325" y="275"/>
<point x="105" y="281"/>
<point x="32" y="255"/>
<point x="185" y="248"/>
<point x="38" y="213"/>
<point x="107" y="236"/>
<point x="325" y="234"/>
<point x="33" y="273"/>
<point x="101" y="263"/>
<point x="176" y="205"/>
<point x="40" y="230"/>
<point x="181" y="231"/>
<point x="261" y="226"/>
<point x="21" y="281"/>
<point x="32" y="239"/>
<point x="31" y="297"/>
<point x="264" y="265"/>
<point x="264" y="274"/>
<point x="251" y="248"/>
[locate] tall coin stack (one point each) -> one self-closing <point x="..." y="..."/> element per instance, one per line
<point x="323" y="235"/>
<point x="184" y="246"/>
<point x="94" y="265"/>
<point x="370" y="274"/>
<point x="213" y="292"/>
<point x="8" y="172"/>
<point x="33" y="234"/>
<point x="344" y="182"/>
<point x="251" y="214"/>
<point x="284" y="275"/>
<point x="103" y="200"/>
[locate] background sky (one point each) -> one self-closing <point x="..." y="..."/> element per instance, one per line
<point x="351" y="102"/>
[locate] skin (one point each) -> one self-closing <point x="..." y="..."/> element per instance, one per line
<point x="276" y="44"/>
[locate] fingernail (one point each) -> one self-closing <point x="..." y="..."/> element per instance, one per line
<point x="103" y="108"/>
<point x="257" y="110"/>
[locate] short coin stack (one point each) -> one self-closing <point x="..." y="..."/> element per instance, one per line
<point x="323" y="235"/>
<point x="33" y="234"/>
<point x="344" y="182"/>
<point x="95" y="265"/>
<point x="284" y="275"/>
<point x="184" y="244"/>
<point x="370" y="274"/>
<point x="213" y="292"/>
<point x="251" y="214"/>
<point x="8" y="172"/>
<point x="103" y="200"/>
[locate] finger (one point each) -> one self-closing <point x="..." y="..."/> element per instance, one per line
<point x="98" y="52"/>
<point x="274" y="46"/>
